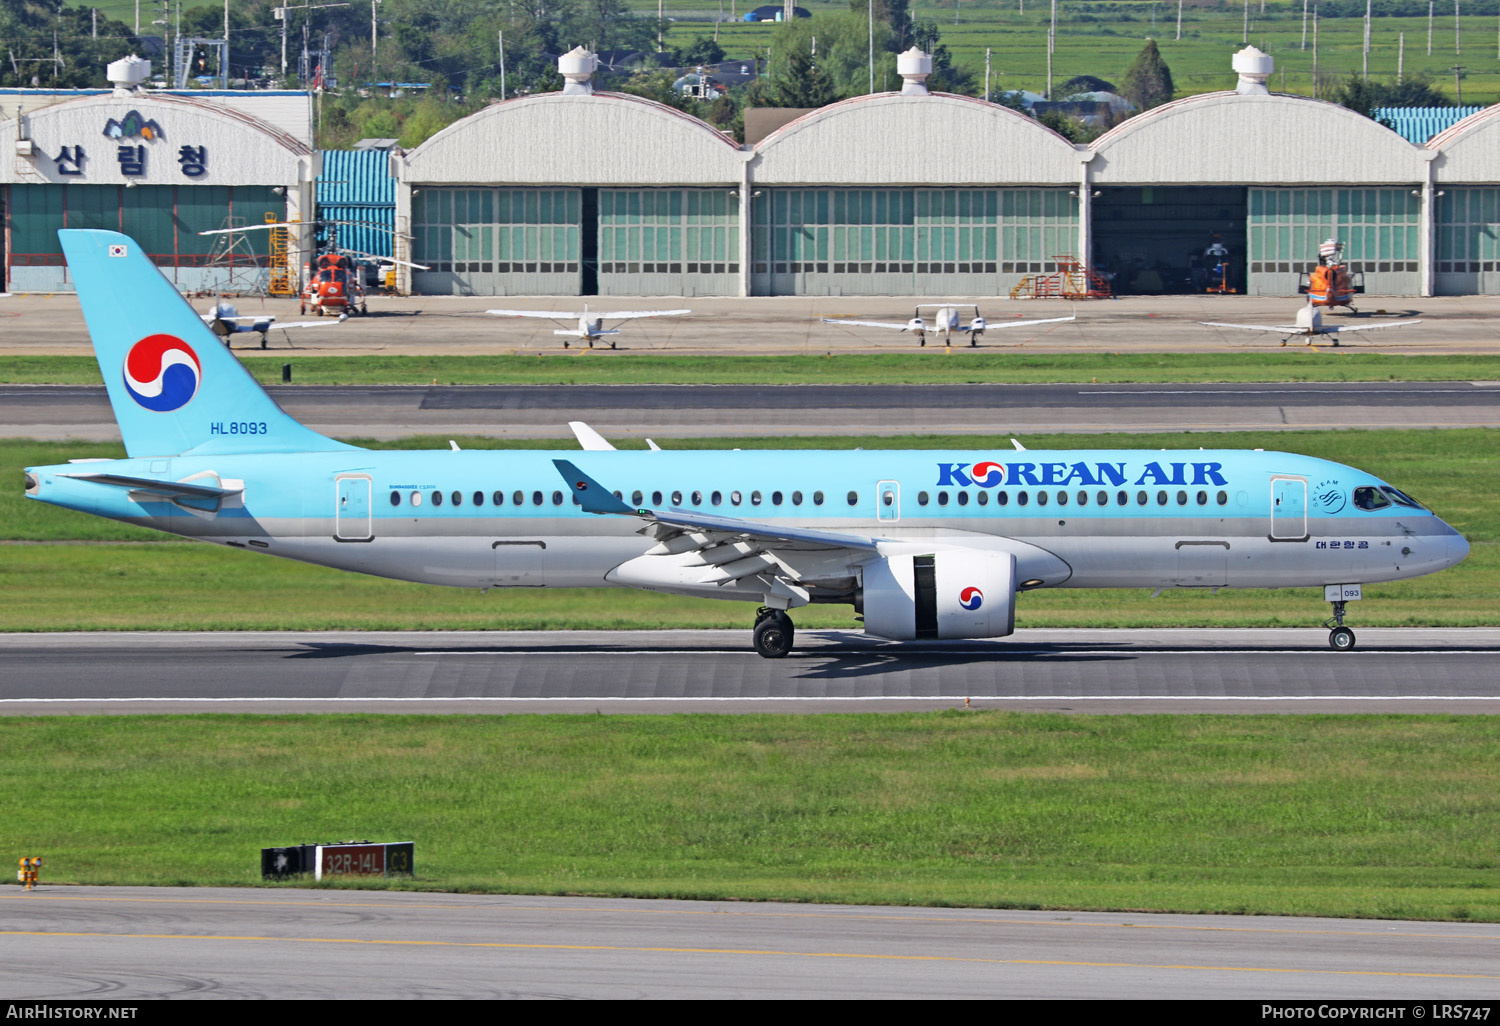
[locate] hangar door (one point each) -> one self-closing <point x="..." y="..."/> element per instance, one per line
<point x="668" y="242"/>
<point x="1468" y="242"/>
<point x="905" y="242"/>
<point x="497" y="242"/>
<point x="164" y="219"/>
<point x="1159" y="239"/>
<point x="1380" y="229"/>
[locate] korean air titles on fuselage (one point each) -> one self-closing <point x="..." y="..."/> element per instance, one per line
<point x="990" y="474"/>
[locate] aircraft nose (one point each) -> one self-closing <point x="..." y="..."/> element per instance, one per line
<point x="1458" y="549"/>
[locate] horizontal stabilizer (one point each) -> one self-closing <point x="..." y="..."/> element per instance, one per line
<point x="169" y="489"/>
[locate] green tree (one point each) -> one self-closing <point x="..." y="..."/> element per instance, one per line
<point x="796" y="81"/>
<point x="1148" y="81"/>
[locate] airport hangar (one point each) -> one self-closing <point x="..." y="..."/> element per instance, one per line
<point x="916" y="193"/>
<point x="161" y="167"/>
<point x="913" y="193"/>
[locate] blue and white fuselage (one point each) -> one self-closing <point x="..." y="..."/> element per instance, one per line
<point x="923" y="543"/>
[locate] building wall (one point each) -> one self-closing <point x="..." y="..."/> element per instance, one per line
<point x="162" y="168"/>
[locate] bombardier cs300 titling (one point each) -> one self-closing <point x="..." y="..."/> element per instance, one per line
<point x="926" y="545"/>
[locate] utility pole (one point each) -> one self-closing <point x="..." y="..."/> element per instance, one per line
<point x="1401" y="59"/>
<point x="1315" y="51"/>
<point x="987" y="52"/>
<point x="1456" y="30"/>
<point x="872" y="45"/>
<point x="1365" y="70"/>
<point x="1179" y="18"/>
<point x="502" y="66"/>
<point x="1304" y="24"/>
<point x="1458" y="85"/>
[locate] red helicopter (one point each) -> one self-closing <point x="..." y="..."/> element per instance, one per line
<point x="335" y="281"/>
<point x="334" y="284"/>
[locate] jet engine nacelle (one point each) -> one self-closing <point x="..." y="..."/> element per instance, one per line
<point x="952" y="594"/>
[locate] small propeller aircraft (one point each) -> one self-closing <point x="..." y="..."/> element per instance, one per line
<point x="591" y="327"/>
<point x="948" y="321"/>
<point x="1309" y="325"/>
<point x="225" y="320"/>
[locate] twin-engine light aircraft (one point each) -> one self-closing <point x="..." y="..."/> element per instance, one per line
<point x="224" y="320"/>
<point x="1310" y="325"/>
<point x="590" y="327"/>
<point x="947" y="322"/>
<point x="926" y="545"/>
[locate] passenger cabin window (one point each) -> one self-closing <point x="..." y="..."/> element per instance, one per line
<point x="796" y="498"/>
<point x="479" y="498"/>
<point x="656" y="498"/>
<point x="395" y="498"/>
<point x="923" y="498"/>
<point x="536" y="498"/>
<point x="416" y="498"/>
<point x="498" y="498"/>
<point x="817" y="498"/>
<point x="677" y="498"/>
<point x="963" y="498"/>
<point x="437" y="498"/>
<point x="457" y="498"/>
<point x="557" y="498"/>
<point x="518" y="499"/>
<point x="697" y="498"/>
<point x="854" y="498"/>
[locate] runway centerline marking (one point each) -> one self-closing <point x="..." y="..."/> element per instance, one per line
<point x="753" y="952"/>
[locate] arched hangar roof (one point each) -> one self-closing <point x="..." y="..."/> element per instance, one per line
<point x="595" y="139"/>
<point x="239" y="149"/>
<point x="936" y="139"/>
<point x="1275" y="139"/>
<point x="1470" y="150"/>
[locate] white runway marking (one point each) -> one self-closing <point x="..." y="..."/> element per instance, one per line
<point x="816" y="698"/>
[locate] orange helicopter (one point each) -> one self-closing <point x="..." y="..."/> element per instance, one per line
<point x="1331" y="283"/>
<point x="334" y="285"/>
<point x="335" y="281"/>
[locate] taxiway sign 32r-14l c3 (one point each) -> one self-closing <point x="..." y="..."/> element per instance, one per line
<point x="925" y="544"/>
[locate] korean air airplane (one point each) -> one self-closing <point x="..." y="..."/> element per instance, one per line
<point x="925" y="545"/>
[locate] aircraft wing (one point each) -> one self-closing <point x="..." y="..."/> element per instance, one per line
<point x="1371" y="327"/>
<point x="548" y="314"/>
<point x="325" y="323"/>
<point x="595" y="498"/>
<point x="865" y="324"/>
<point x="630" y="315"/>
<point x="1021" y="324"/>
<point x="1254" y="327"/>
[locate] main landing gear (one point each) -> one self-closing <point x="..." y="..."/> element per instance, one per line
<point x="1340" y="638"/>
<point x="773" y="632"/>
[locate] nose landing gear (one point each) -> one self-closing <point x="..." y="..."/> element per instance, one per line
<point x="1340" y="638"/>
<point x="773" y="632"/>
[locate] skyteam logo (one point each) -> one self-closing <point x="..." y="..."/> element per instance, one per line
<point x="971" y="598"/>
<point x="988" y="474"/>
<point x="162" y="373"/>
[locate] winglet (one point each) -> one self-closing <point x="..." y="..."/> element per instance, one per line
<point x="591" y="495"/>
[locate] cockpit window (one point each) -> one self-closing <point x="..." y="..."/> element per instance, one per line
<point x="1370" y="498"/>
<point x="1400" y="498"/>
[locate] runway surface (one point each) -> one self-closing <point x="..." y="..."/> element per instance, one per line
<point x="633" y="411"/>
<point x="1093" y="671"/>
<point x="129" y="943"/>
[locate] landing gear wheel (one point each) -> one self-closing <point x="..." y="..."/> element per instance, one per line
<point x="773" y="636"/>
<point x="1341" y="639"/>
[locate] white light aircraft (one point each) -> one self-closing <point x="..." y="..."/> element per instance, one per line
<point x="924" y="544"/>
<point x="947" y="322"/>
<point x="224" y="320"/>
<point x="1310" y="325"/>
<point x="591" y="327"/>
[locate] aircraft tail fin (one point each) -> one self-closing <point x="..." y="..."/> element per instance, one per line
<point x="172" y="383"/>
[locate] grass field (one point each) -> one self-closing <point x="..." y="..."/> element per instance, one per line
<point x="1300" y="364"/>
<point x="1370" y="816"/>
<point x="1102" y="38"/>
<point x="66" y="571"/>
